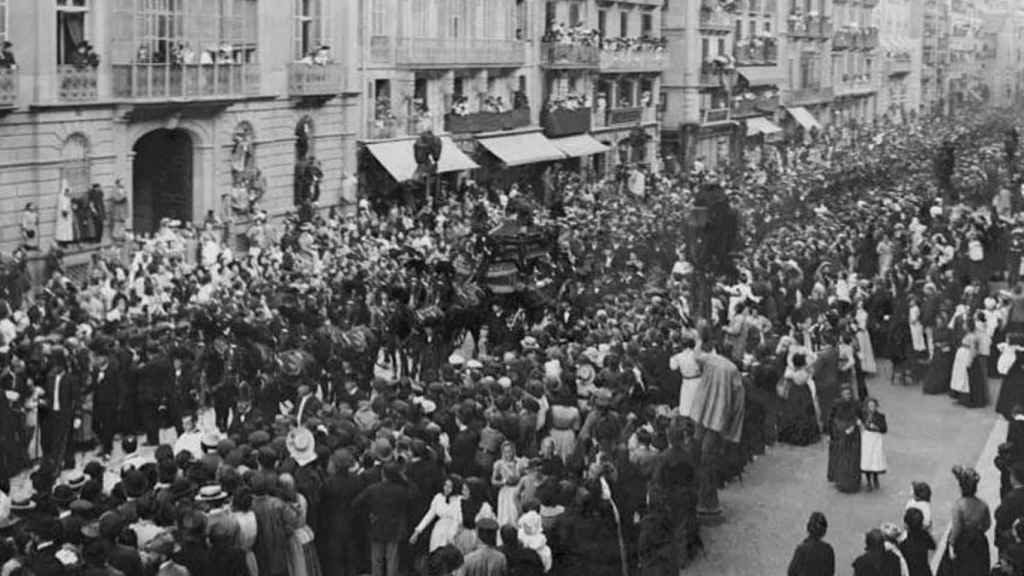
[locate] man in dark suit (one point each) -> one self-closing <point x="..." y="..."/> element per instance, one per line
<point x="244" y="418"/>
<point x="306" y="406"/>
<point x="387" y="505"/>
<point x="43" y="561"/>
<point x="464" y="444"/>
<point x="106" y="403"/>
<point x="161" y="386"/>
<point x="57" y="410"/>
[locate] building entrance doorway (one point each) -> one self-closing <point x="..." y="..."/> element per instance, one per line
<point x="161" y="179"/>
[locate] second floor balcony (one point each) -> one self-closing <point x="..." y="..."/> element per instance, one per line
<point x="633" y="60"/>
<point x="306" y="80"/>
<point x="624" y="116"/>
<point x="487" y="121"/>
<point x="756" y="52"/>
<point x="715" y="115"/>
<point x="808" y="93"/>
<point x="555" y="55"/>
<point x="809" y="27"/>
<point x="898" y="64"/>
<point x="755" y="105"/>
<point x="8" y="87"/>
<point x="564" y="122"/>
<point x="715" y="21"/>
<point x="160" y="81"/>
<point x="854" y="84"/>
<point x="432" y="53"/>
<point x="77" y="84"/>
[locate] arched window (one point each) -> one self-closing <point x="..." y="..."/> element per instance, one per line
<point x="75" y="169"/>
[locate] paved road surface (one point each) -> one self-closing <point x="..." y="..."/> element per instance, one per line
<point x="766" y="514"/>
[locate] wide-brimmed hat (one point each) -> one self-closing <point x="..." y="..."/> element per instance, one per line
<point x="63" y="495"/>
<point x="211" y="493"/>
<point x="210" y="440"/>
<point x="529" y="343"/>
<point x="22" y="504"/>
<point x="382" y="451"/>
<point x="76" y="480"/>
<point x="301" y="446"/>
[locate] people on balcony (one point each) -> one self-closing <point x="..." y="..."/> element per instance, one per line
<point x="643" y="43"/>
<point x="319" y="56"/>
<point x="559" y="33"/>
<point x="461" y="106"/>
<point x="572" y="101"/>
<point x="84" y="56"/>
<point x="7" y="61"/>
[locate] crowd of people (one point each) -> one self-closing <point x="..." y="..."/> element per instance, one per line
<point x="312" y="406"/>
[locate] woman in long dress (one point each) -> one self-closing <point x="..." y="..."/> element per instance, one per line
<point x="475" y="507"/>
<point x="844" y="444"/>
<point x="967" y="549"/>
<point x="505" y="476"/>
<point x="872" y="444"/>
<point x="65" y="230"/>
<point x="937" y="378"/>
<point x="241" y="504"/>
<point x="565" y="421"/>
<point x="1011" y="391"/>
<point x="446" y="514"/>
<point x="798" y="417"/>
<point x="960" y="377"/>
<point x="302" y="555"/>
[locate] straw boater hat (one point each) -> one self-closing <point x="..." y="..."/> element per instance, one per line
<point x="211" y="493"/>
<point x="301" y="446"/>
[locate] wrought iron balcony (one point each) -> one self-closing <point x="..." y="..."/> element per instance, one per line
<point x="77" y="84"/>
<point x="755" y="106"/>
<point x="8" y="87"/>
<point x="314" y="79"/>
<point x="487" y="121"/>
<point x="712" y="115"/>
<point x="558" y="123"/>
<point x="811" y="93"/>
<point x="185" y="81"/>
<point x="460" y="52"/>
<point x="382" y="129"/>
<point x="715" y="21"/>
<point x="810" y="27"/>
<point x="570" y="56"/>
<point x="620" y="116"/>
<point x="633" y="60"/>
<point x="761" y="52"/>
<point x="898" y="64"/>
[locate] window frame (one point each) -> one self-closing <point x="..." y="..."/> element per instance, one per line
<point x="66" y="9"/>
<point x="301" y="18"/>
<point x="4" y="20"/>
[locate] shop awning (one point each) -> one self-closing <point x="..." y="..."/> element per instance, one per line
<point x="803" y="117"/>
<point x="579" y="145"/>
<point x="762" y="75"/>
<point x="397" y="158"/>
<point x="760" y="125"/>
<point x="522" y="148"/>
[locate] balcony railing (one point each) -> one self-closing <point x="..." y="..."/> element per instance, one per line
<point x="558" y="123"/>
<point x="314" y="80"/>
<point x="382" y="129"/>
<point x="813" y="27"/>
<point x="869" y="38"/>
<point x="710" y="75"/>
<point x="77" y="84"/>
<point x="854" y="84"/>
<point x="842" y="40"/>
<point x="570" y="56"/>
<point x="899" y="64"/>
<point x="715" y="21"/>
<point x="8" y="87"/>
<point x="619" y="116"/>
<point x="708" y="116"/>
<point x="809" y="94"/>
<point x="487" y="121"/>
<point x="755" y="106"/>
<point x="189" y="81"/>
<point x="467" y="52"/>
<point x="632" y="61"/>
<point x="758" y="53"/>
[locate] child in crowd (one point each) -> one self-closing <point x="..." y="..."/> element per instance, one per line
<point x="922" y="500"/>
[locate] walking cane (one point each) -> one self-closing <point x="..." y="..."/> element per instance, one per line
<point x="606" y="493"/>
